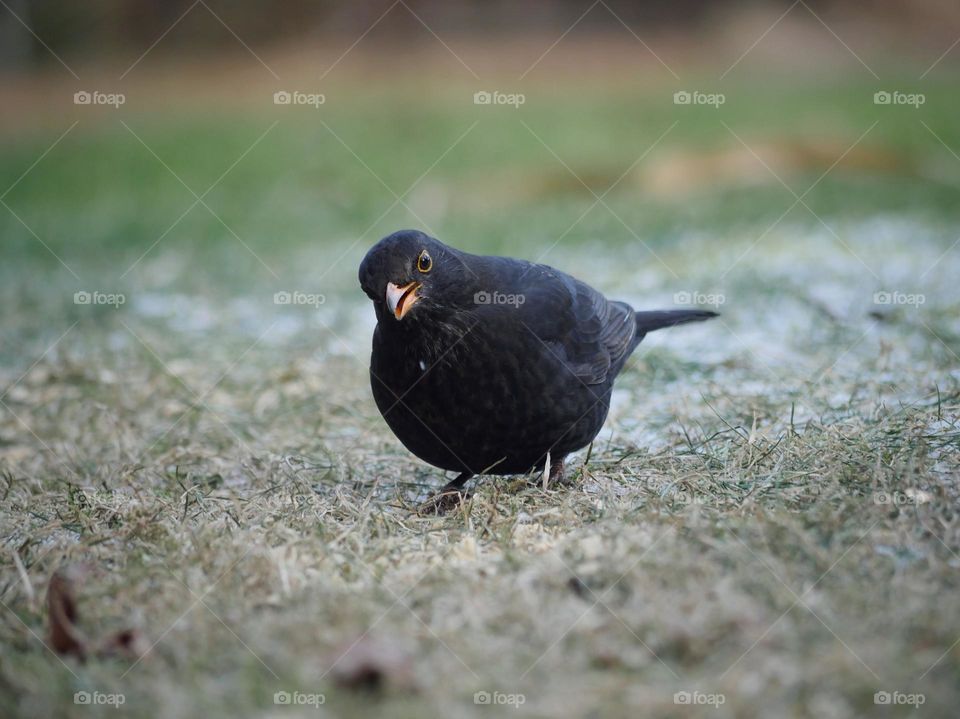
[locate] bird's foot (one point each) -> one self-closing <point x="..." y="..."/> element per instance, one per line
<point x="556" y="473"/>
<point x="556" y="476"/>
<point x="447" y="499"/>
<point x="444" y="501"/>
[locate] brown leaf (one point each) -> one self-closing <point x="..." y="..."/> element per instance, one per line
<point x="371" y="665"/>
<point x="65" y="638"/>
<point x="64" y="618"/>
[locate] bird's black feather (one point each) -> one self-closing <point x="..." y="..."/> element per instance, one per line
<point x="500" y="361"/>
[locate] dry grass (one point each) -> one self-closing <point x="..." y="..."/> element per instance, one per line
<point x="246" y="509"/>
<point x="769" y="516"/>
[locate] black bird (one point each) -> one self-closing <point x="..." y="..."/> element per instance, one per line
<point x="490" y="365"/>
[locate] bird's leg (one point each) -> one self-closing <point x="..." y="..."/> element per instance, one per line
<point x="548" y="478"/>
<point x="556" y="472"/>
<point x="448" y="498"/>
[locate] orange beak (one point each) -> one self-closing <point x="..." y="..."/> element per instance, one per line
<point x="401" y="299"/>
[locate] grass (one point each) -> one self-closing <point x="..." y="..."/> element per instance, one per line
<point x="769" y="514"/>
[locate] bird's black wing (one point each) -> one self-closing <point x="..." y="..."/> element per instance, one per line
<point x="603" y="335"/>
<point x="590" y="334"/>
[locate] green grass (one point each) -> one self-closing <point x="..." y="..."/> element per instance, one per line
<point x="727" y="534"/>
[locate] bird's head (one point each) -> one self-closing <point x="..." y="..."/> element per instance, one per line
<point x="410" y="276"/>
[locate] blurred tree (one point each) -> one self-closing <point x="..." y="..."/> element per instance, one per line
<point x="103" y="27"/>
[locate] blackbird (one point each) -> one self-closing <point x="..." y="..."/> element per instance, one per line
<point x="492" y="365"/>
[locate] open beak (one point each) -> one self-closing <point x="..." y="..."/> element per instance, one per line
<point x="401" y="299"/>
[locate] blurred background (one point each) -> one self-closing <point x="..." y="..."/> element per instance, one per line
<point x="170" y="167"/>
<point x="195" y="82"/>
<point x="102" y="28"/>
<point x="146" y="150"/>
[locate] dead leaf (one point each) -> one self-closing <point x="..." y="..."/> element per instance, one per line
<point x="65" y="638"/>
<point x="64" y="618"/>
<point x="372" y="665"/>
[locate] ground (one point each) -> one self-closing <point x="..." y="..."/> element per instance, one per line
<point x="766" y="526"/>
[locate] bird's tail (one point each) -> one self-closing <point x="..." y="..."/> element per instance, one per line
<point x="658" y="319"/>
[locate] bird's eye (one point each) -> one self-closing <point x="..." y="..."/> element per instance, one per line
<point x="424" y="262"/>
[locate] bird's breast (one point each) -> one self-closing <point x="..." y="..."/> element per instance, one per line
<point x="481" y="397"/>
